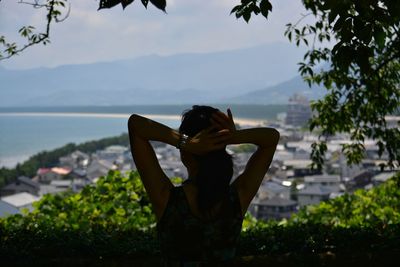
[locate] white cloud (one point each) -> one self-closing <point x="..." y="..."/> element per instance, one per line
<point x="89" y="35"/>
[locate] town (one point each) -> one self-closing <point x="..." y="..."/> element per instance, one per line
<point x="289" y="185"/>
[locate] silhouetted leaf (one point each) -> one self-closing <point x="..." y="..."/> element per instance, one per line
<point x="265" y="7"/>
<point x="160" y="4"/>
<point x="108" y="3"/>
<point x="379" y="36"/>
<point x="246" y="15"/>
<point x="145" y="3"/>
<point x="125" y="3"/>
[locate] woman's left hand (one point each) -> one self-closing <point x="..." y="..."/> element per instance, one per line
<point x="207" y="140"/>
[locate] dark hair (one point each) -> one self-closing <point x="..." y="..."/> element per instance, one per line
<point x="215" y="168"/>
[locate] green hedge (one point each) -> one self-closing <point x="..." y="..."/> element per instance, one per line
<point x="113" y="219"/>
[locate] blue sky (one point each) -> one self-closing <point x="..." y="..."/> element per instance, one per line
<point x="88" y="35"/>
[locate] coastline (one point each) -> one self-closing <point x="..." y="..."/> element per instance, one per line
<point x="240" y="121"/>
<point x="10" y="160"/>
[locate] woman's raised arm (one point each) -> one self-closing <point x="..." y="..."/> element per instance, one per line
<point x="250" y="180"/>
<point x="156" y="183"/>
<point x="266" y="139"/>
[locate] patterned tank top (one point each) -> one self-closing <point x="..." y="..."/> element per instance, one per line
<point x="184" y="237"/>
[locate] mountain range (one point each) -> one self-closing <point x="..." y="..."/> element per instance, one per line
<point x="264" y="74"/>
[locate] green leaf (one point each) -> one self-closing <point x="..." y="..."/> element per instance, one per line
<point x="379" y="36"/>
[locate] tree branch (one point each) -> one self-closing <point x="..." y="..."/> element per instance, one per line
<point x="41" y="37"/>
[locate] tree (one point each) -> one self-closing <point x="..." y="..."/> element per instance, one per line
<point x="363" y="73"/>
<point x="363" y="77"/>
<point x="354" y="52"/>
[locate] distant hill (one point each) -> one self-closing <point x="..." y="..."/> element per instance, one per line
<point x="280" y="93"/>
<point x="176" y="79"/>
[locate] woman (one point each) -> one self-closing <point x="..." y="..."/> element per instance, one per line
<point x="200" y="221"/>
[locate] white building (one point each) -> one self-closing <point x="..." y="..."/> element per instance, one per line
<point x="76" y="159"/>
<point x="330" y="182"/>
<point x="21" y="201"/>
<point x="271" y="189"/>
<point x="382" y="177"/>
<point x="298" y="111"/>
<point x="312" y="195"/>
<point x="274" y="208"/>
<point x="99" y="167"/>
<point x="7" y="209"/>
<point x="319" y="188"/>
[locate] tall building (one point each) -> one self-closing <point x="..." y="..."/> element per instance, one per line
<point x="299" y="110"/>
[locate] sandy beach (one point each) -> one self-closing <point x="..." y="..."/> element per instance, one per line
<point x="240" y="121"/>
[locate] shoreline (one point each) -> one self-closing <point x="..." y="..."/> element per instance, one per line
<point x="12" y="161"/>
<point x="240" y="121"/>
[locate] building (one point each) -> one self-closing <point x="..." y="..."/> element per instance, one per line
<point x="46" y="175"/>
<point x="274" y="208"/>
<point x="271" y="189"/>
<point x="330" y="182"/>
<point x="114" y="154"/>
<point x="382" y="177"/>
<point x="299" y="168"/>
<point x="299" y="111"/>
<point x="21" y="201"/>
<point x="99" y="168"/>
<point x="360" y="180"/>
<point x="319" y="188"/>
<point x="7" y="209"/>
<point x="22" y="184"/>
<point x="75" y="160"/>
<point x="312" y="195"/>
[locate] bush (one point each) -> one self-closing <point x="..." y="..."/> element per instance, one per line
<point x="113" y="219"/>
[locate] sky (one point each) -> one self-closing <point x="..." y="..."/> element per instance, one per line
<point x="88" y="35"/>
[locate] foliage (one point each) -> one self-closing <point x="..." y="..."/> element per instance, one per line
<point x="113" y="219"/>
<point x="377" y="208"/>
<point x="368" y="220"/>
<point x="104" y="218"/>
<point x="115" y="202"/>
<point x="50" y="158"/>
<point x="363" y="73"/>
<point x="160" y="4"/>
<point x="243" y="148"/>
<point x="248" y="7"/>
<point x="55" y="10"/>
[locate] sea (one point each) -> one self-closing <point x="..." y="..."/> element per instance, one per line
<point x="29" y="130"/>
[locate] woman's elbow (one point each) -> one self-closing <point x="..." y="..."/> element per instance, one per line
<point x="276" y="136"/>
<point x="132" y="122"/>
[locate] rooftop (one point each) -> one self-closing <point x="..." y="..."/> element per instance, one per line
<point x="322" y="178"/>
<point x="20" y="199"/>
<point x="277" y="201"/>
<point x="315" y="191"/>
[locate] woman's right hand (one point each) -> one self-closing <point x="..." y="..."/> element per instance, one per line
<point x="223" y="121"/>
<point x="207" y="140"/>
